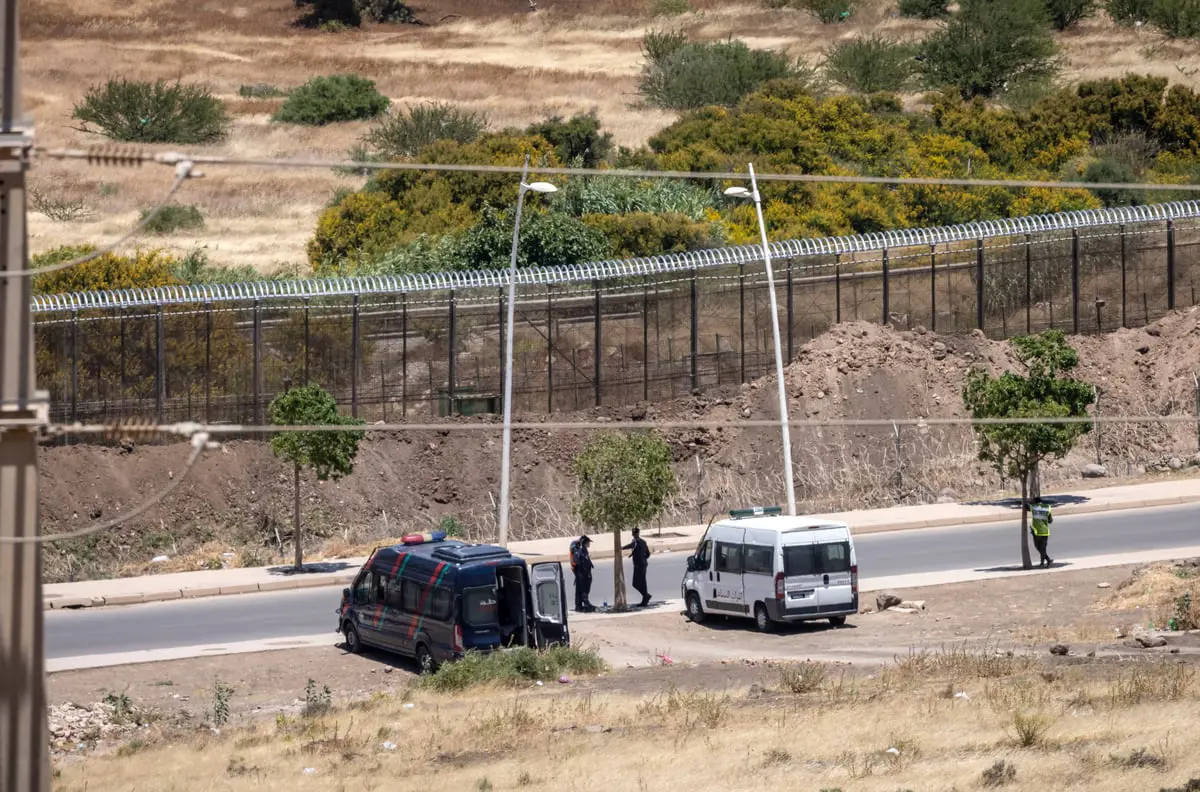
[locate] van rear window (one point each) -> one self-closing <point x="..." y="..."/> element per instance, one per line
<point x="799" y="560"/>
<point x="479" y="606"/>
<point x="820" y="559"/>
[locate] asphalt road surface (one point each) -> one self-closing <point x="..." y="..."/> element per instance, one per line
<point x="286" y="614"/>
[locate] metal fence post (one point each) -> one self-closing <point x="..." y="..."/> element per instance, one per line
<point x="74" y="366"/>
<point x="354" y="357"/>
<point x="742" y="323"/>
<point x="1170" y="265"/>
<point x="404" y="354"/>
<point x="306" y="340"/>
<point x="1028" y="284"/>
<point x="886" y="306"/>
<point x="503" y="325"/>
<point x="979" y="283"/>
<point x="837" y="288"/>
<point x="450" y="370"/>
<point x="549" y="348"/>
<point x="1124" y="319"/>
<point x="597" y="350"/>
<point x="1075" y="281"/>
<point x="160" y="365"/>
<point x="695" y="340"/>
<point x="933" y="287"/>
<point x="646" y="339"/>
<point x="790" y="310"/>
<point x="208" y="362"/>
<point x="257" y="373"/>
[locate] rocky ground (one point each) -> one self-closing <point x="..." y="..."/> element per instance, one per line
<point x="235" y="507"/>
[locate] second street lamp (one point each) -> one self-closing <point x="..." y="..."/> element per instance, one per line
<point x="742" y="192"/>
<point x="506" y="452"/>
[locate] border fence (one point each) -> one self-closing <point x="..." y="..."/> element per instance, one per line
<point x="608" y="333"/>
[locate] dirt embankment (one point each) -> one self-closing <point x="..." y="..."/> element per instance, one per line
<point x="235" y="507"/>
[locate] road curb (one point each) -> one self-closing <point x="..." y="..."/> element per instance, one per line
<point x="66" y="602"/>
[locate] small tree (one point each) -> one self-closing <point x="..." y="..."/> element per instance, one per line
<point x="1043" y="392"/>
<point x="332" y="100"/>
<point x="328" y="454"/>
<point x="624" y="481"/>
<point x="989" y="45"/>
<point x="158" y="112"/>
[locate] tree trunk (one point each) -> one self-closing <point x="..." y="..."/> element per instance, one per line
<point x="296" y="520"/>
<point x="619" y="602"/>
<point x="1026" y="561"/>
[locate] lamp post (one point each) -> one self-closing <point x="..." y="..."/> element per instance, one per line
<point x="752" y="193"/>
<point x="506" y="453"/>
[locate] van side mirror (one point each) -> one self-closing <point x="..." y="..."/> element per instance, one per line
<point x="345" y="595"/>
<point x="691" y="563"/>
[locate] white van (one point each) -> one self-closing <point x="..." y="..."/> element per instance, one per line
<point x="760" y="563"/>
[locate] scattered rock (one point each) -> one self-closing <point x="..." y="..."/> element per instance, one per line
<point x="946" y="492"/>
<point x="1059" y="650"/>
<point x="1094" y="471"/>
<point x="1175" y="463"/>
<point x="1195" y="461"/>
<point x="884" y="600"/>
<point x="1102" y="585"/>
<point x="1150" y="641"/>
<point x="916" y="605"/>
<point x="159" y="559"/>
<point x="939" y="350"/>
<point x="1143" y="349"/>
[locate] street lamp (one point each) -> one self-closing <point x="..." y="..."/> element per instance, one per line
<point x="506" y="453"/>
<point x="752" y="193"/>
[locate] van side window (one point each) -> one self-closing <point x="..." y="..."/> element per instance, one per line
<point x="364" y="589"/>
<point x="393" y="594"/>
<point x="411" y="598"/>
<point x="729" y="558"/>
<point x="440" y="604"/>
<point x="835" y="557"/>
<point x="800" y="560"/>
<point x="758" y="559"/>
<point x="704" y="556"/>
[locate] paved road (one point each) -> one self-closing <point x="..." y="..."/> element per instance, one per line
<point x="310" y="611"/>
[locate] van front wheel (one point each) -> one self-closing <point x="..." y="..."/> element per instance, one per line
<point x="353" y="643"/>
<point x="694" y="611"/>
<point x="762" y="620"/>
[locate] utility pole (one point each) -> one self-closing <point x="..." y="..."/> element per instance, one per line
<point x="24" y="731"/>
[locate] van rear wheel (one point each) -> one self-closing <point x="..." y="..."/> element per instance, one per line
<point x="694" y="610"/>
<point x="762" y="620"/>
<point x="425" y="659"/>
<point x="837" y="621"/>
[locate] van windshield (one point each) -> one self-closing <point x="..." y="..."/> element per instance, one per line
<point x="479" y="606"/>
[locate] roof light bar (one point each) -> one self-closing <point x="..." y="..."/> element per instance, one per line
<point x="755" y="511"/>
<point x="423" y="538"/>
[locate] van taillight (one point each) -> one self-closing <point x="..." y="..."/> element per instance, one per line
<point x="854" y="579"/>
<point x="458" y="642"/>
<point x="778" y="585"/>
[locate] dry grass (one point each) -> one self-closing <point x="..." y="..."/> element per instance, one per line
<point x="1017" y="725"/>
<point x="588" y="57"/>
<point x="1168" y="592"/>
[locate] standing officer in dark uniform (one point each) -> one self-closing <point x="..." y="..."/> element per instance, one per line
<point x="581" y="565"/>
<point x="641" y="557"/>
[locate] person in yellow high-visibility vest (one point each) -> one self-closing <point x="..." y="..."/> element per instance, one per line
<point x="1040" y="528"/>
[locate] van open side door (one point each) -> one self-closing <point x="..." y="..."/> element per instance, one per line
<point x="549" y="597"/>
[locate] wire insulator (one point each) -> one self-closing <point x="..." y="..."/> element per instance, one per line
<point x="133" y="430"/>
<point x="113" y="154"/>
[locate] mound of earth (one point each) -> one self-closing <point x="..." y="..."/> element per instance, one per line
<point x="235" y="506"/>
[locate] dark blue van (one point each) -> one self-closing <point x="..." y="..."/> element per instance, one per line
<point x="434" y="599"/>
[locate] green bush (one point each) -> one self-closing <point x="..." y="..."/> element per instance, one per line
<point x="169" y="219"/>
<point x="829" y="11"/>
<point x="645" y="234"/>
<point x="614" y="195"/>
<point x="679" y="74"/>
<point x="548" y="239"/>
<point x="989" y="44"/>
<point x="329" y="100"/>
<point x="360" y="226"/>
<point x="577" y="139"/>
<point x="923" y="9"/>
<point x="518" y="666"/>
<point x="669" y="7"/>
<point x="1129" y="12"/>
<point x="871" y="64"/>
<point x="1179" y="19"/>
<point x="159" y="112"/>
<point x="1065" y="13"/>
<point x="336" y="15"/>
<point x="260" y="91"/>
<point x="1111" y="169"/>
<point x="404" y="134"/>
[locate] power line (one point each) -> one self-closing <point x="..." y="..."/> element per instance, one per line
<point x="128" y="156"/>
<point x="183" y="172"/>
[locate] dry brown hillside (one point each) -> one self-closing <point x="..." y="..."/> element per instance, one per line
<point x="238" y="499"/>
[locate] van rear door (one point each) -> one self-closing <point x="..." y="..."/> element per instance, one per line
<point x="548" y="593"/>
<point x="801" y="574"/>
<point x="837" y="591"/>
